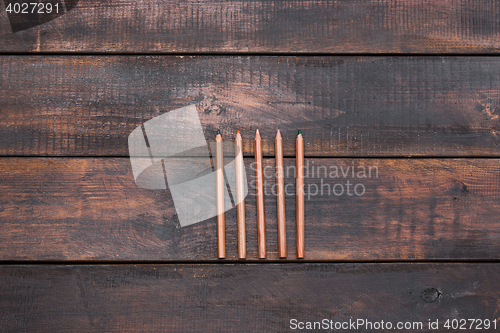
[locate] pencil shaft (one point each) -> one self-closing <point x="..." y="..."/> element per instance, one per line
<point x="240" y="197"/>
<point x="261" y="224"/>
<point x="280" y="182"/>
<point x="219" y="175"/>
<point x="300" y="195"/>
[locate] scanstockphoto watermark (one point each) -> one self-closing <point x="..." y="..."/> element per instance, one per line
<point x="360" y="325"/>
<point x="171" y="151"/>
<point x="320" y="180"/>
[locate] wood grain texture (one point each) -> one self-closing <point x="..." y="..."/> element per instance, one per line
<point x="241" y="298"/>
<point x="91" y="209"/>
<point x="302" y="26"/>
<point x="345" y="106"/>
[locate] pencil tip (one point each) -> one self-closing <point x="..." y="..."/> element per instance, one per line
<point x="257" y="132"/>
<point x="299" y="132"/>
<point x="238" y="132"/>
<point x="278" y="130"/>
<point x="218" y="131"/>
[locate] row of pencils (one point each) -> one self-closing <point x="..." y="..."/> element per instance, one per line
<point x="240" y="196"/>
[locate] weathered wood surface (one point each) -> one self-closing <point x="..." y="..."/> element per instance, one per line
<point x="345" y="106"/>
<point x="242" y="298"/>
<point x="91" y="209"/>
<point x="374" y="26"/>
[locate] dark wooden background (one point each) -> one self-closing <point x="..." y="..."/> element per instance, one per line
<point x="411" y="87"/>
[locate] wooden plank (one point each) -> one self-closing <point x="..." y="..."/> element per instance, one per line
<point x="303" y="26"/>
<point x="354" y="106"/>
<point x="244" y="298"/>
<point x="412" y="209"/>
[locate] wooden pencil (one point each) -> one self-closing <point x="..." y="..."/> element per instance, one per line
<point x="261" y="224"/>
<point x="280" y="189"/>
<point x="219" y="175"/>
<point x="299" y="147"/>
<point x="240" y="197"/>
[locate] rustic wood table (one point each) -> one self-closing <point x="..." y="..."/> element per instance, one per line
<point x="409" y="90"/>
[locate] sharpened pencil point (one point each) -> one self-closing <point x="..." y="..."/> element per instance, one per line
<point x="218" y="131"/>
<point x="257" y="132"/>
<point x="238" y="132"/>
<point x="299" y="132"/>
<point x="278" y="130"/>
